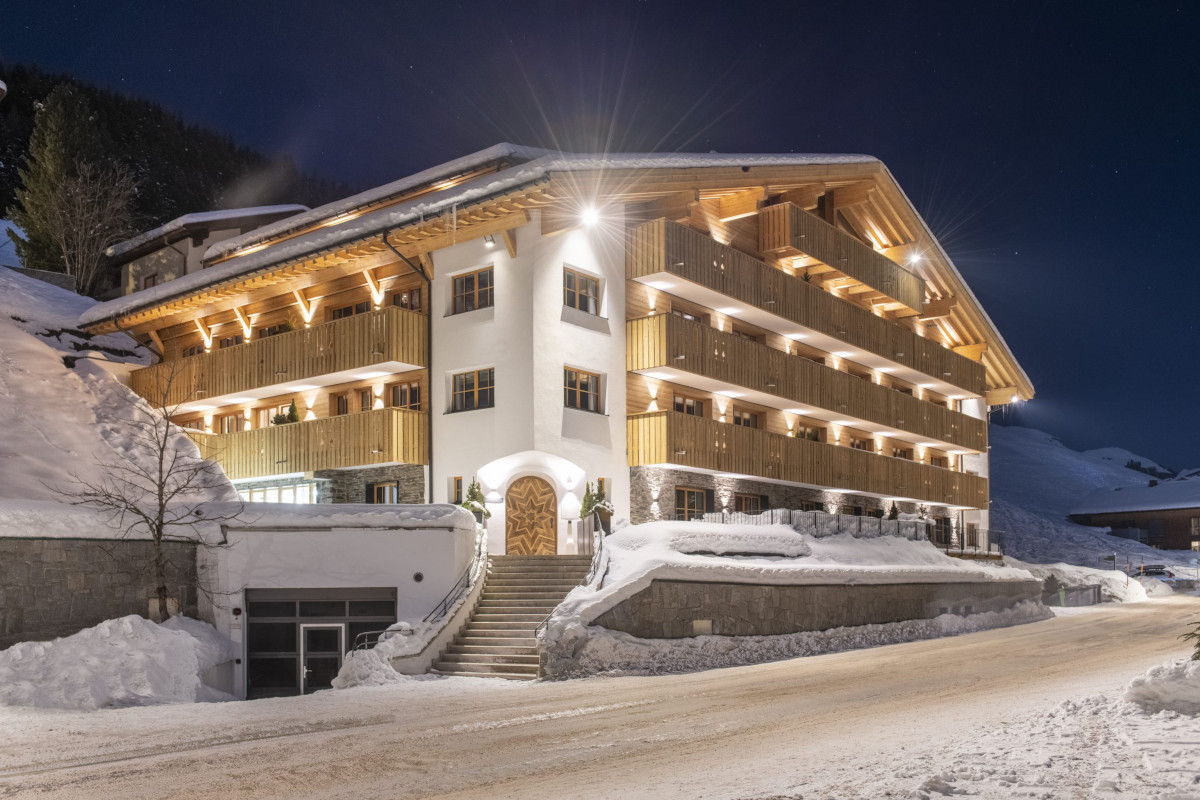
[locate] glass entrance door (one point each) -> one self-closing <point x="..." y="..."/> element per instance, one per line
<point x="321" y="649"/>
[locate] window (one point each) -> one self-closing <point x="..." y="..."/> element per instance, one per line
<point x="939" y="461"/>
<point x="472" y="291"/>
<point x="902" y="452"/>
<point x="811" y="505"/>
<point x="1195" y="521"/>
<point x="150" y="280"/>
<point x="410" y="299"/>
<point x="806" y="432"/>
<point x="230" y="341"/>
<point x="340" y="404"/>
<point x="381" y="493"/>
<point x="581" y="390"/>
<point x="194" y="350"/>
<point x="581" y="291"/>
<point x="265" y="415"/>
<point x="678" y="312"/>
<point x="904" y="390"/>
<point x="689" y="405"/>
<point x="191" y="424"/>
<point x="366" y="399"/>
<point x="602" y="487"/>
<point x="405" y="395"/>
<point x="274" y="330"/>
<point x="350" y="311"/>
<point x="747" y="419"/>
<point x="750" y="503"/>
<point x="690" y="503"/>
<point x="941" y="531"/>
<point x="231" y="423"/>
<point x="473" y="390"/>
<point x="750" y="337"/>
<point x="852" y="511"/>
<point x="456" y="491"/>
<point x="862" y="444"/>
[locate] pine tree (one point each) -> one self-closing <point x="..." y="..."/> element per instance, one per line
<point x="589" y="502"/>
<point x="894" y="513"/>
<point x="475" y="502"/>
<point x="293" y="414"/>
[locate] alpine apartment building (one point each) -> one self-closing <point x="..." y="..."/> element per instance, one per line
<point x="698" y="333"/>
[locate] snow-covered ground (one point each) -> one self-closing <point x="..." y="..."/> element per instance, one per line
<point x="1036" y="480"/>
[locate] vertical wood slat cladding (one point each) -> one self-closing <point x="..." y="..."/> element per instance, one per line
<point x="787" y="227"/>
<point x="389" y="334"/>
<point x="383" y="436"/>
<point x="667" y="437"/>
<point x="657" y="342"/>
<point x="661" y="246"/>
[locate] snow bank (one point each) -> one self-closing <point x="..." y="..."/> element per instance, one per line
<point x="129" y="661"/>
<point x="1174" y="686"/>
<point x="599" y="651"/>
<point x="1115" y="586"/>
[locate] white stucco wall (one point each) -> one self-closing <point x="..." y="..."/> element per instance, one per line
<point x="977" y="462"/>
<point x="337" y="558"/>
<point x="528" y="337"/>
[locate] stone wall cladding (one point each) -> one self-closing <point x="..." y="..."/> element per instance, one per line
<point x="56" y="587"/>
<point x="666" y="609"/>
<point x="645" y="483"/>
<point x="350" y="485"/>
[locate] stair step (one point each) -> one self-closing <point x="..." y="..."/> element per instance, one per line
<point x="505" y="617"/>
<point x="496" y="659"/>
<point x="475" y="640"/>
<point x="510" y="676"/>
<point x="501" y="625"/>
<point x="490" y="650"/>
<point x="506" y="559"/>
<point x="519" y="664"/>
<point x="535" y="581"/>
<point x="519" y="602"/>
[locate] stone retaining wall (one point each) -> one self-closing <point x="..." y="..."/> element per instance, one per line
<point x="668" y="609"/>
<point x="56" y="587"/>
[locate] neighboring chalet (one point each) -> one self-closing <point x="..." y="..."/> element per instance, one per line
<point x="177" y="248"/>
<point x="696" y="333"/>
<point x="1162" y="514"/>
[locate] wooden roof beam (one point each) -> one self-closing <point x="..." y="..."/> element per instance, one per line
<point x="1002" y="396"/>
<point x="972" y="351"/>
<point x="741" y="204"/>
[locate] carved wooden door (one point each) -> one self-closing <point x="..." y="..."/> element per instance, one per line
<point x="530" y="518"/>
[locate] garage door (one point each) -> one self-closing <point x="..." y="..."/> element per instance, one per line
<point x="296" y="638"/>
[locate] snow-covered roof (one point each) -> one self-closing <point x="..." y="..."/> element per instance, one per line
<point x="203" y="219"/>
<point x="543" y="164"/>
<point x="1166" y="495"/>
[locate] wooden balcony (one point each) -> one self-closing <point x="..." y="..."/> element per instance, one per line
<point x="383" y="436"/>
<point x="670" y="438"/>
<point x="669" y="342"/>
<point x="788" y="230"/>
<point x="661" y="247"/>
<point x="387" y="336"/>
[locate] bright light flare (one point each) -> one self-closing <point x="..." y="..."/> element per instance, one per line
<point x="589" y="216"/>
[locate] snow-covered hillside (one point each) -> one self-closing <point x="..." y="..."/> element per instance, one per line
<point x="1036" y="480"/>
<point x="62" y="408"/>
<point x="8" y="251"/>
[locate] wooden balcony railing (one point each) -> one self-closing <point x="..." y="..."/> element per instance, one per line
<point x="787" y="229"/>
<point x="665" y="340"/>
<point x="667" y="437"/>
<point x="661" y="246"/>
<point x="389" y="334"/>
<point x="383" y="436"/>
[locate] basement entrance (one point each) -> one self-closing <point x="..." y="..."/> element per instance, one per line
<point x="296" y="638"/>
<point x="530" y="518"/>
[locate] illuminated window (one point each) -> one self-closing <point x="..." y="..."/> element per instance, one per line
<point x="750" y="337"/>
<point x="750" y="503"/>
<point x="405" y="395"/>
<point x="902" y="452"/>
<point x="193" y="350"/>
<point x="811" y="505"/>
<point x="862" y="444"/>
<point x="473" y="390"/>
<point x="939" y="461"/>
<point x="581" y="291"/>
<point x="678" y="312"/>
<point x="274" y="330"/>
<point x="689" y="405"/>
<point x="581" y="390"/>
<point x="690" y="503"/>
<point x="230" y="341"/>
<point x="231" y="423"/>
<point x="340" y="404"/>
<point x="366" y="399"/>
<point x="473" y="290"/>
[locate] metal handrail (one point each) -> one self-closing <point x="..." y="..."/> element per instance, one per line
<point x="597" y="553"/>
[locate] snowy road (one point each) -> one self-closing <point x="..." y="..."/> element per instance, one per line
<point x="855" y="724"/>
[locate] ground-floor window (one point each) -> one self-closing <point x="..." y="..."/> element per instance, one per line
<point x="941" y="531"/>
<point x="690" y="503"/>
<point x="386" y="492"/>
<point x="292" y="493"/>
<point x="750" y="503"/>
<point x="811" y="505"/>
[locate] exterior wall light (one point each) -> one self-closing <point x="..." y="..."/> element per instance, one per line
<point x="489" y="241"/>
<point x="589" y="216"/>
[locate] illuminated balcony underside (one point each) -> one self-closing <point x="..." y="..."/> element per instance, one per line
<point x="370" y="438"/>
<point x="672" y="258"/>
<point x="667" y="348"/>
<point x="367" y="345"/>
<point x="669" y="439"/>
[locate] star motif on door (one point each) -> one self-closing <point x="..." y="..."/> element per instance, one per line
<point x="531" y="515"/>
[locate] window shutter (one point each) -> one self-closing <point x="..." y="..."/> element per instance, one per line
<point x="710" y="500"/>
<point x="766" y="502"/>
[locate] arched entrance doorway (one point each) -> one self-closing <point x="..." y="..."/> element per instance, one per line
<point x="530" y="518"/>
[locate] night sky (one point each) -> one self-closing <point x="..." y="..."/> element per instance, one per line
<point x="1052" y="147"/>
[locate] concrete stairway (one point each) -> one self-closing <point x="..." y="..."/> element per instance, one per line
<point x="499" y="640"/>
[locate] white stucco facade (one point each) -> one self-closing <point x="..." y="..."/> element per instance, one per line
<point x="528" y="337"/>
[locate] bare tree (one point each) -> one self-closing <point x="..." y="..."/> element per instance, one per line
<point x="164" y="488"/>
<point x="91" y="210"/>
